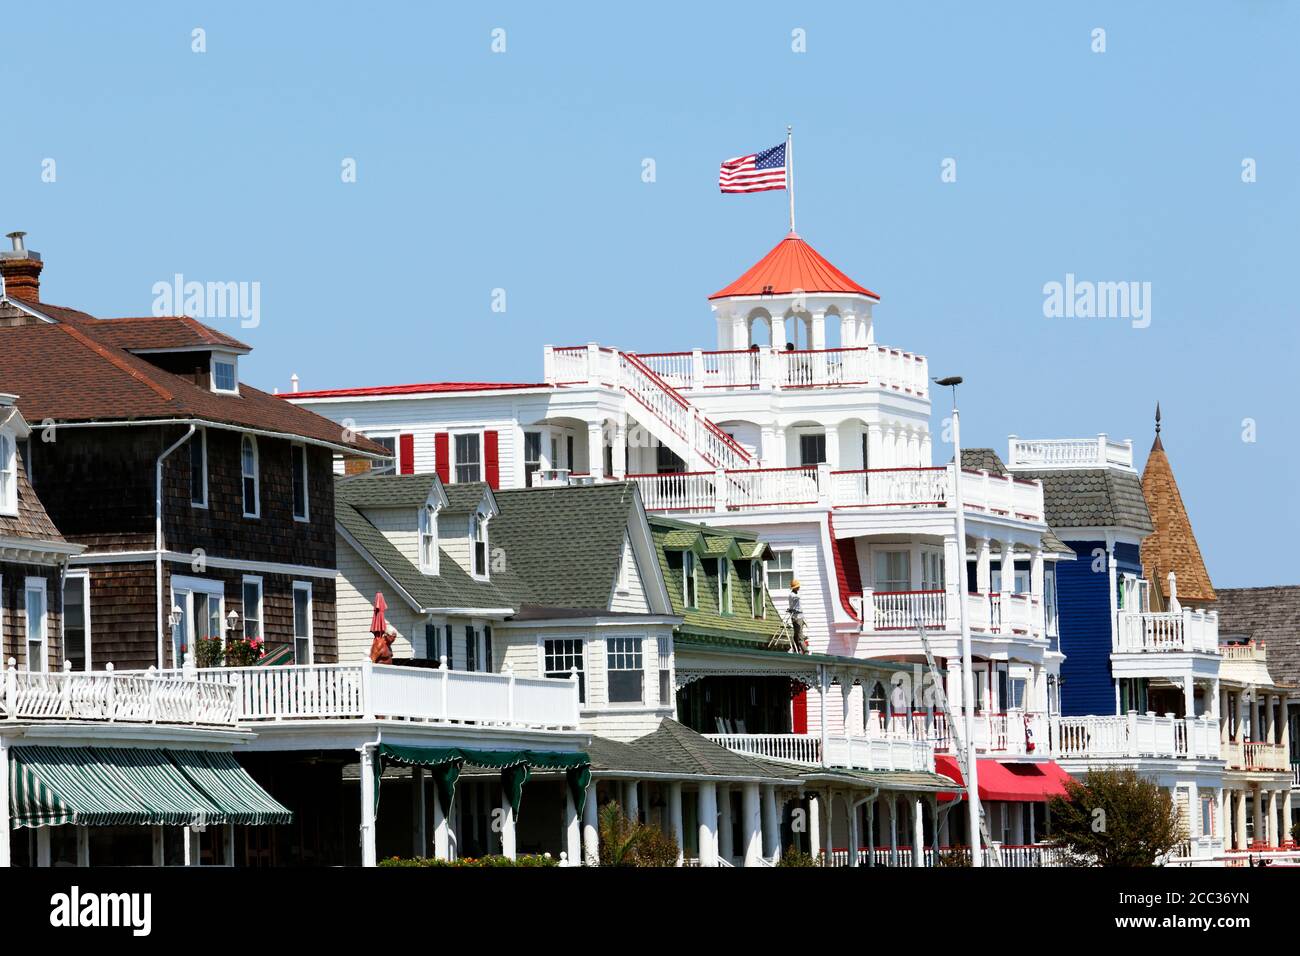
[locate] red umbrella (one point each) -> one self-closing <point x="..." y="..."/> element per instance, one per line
<point x="381" y="650"/>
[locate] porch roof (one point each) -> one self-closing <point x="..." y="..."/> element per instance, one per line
<point x="782" y="662"/>
<point x="910" y="780"/>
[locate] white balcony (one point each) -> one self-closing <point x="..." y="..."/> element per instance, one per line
<point x="1256" y="755"/>
<point x="147" y="697"/>
<point x="859" y="753"/>
<point x="1135" y="735"/>
<point x="1161" y="632"/>
<point x="1065" y="453"/>
<point x="1015" y="733"/>
<point x="900" y="610"/>
<point x="871" y="366"/>
<point x="883" y="489"/>
<point x="368" y="691"/>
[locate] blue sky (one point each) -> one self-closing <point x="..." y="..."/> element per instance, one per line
<point x="522" y="171"/>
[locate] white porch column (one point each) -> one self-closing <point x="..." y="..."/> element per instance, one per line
<point x="441" y="831"/>
<point x="5" y="831"/>
<point x="1286" y="818"/>
<point x="367" y="782"/>
<point x="1257" y="815"/>
<point x="871" y="830"/>
<point x="1270" y="722"/>
<point x="1285" y="730"/>
<point x="918" y="833"/>
<point x="419" y="836"/>
<point x="875" y="453"/>
<point x="1215" y="701"/>
<point x="708" y="814"/>
<point x="507" y="826"/>
<point x="814" y="826"/>
<point x="1240" y="842"/>
<point x="619" y="445"/>
<point x="833" y="446"/>
<point x="676" y="830"/>
<point x="855" y="838"/>
<point x="572" y="830"/>
<point x="828" y="830"/>
<point x="726" y="845"/>
<point x="983" y="569"/>
<point x="591" y="828"/>
<point x="632" y="800"/>
<point x="768" y="450"/>
<point x="1039" y="609"/>
<point x="1273" y="840"/>
<point x="954" y="580"/>
<point x="818" y="339"/>
<point x="595" y="449"/>
<point x="892" y="806"/>
<point x="1189" y="697"/>
<point x="751" y="824"/>
<point x="1220" y="821"/>
<point x="771" y="824"/>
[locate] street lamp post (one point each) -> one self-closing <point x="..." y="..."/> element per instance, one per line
<point x="967" y="677"/>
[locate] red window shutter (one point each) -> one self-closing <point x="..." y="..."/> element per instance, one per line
<point x="491" y="460"/>
<point x="442" y="456"/>
<point x="799" y="716"/>
<point x="406" y="454"/>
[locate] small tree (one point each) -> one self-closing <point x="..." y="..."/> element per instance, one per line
<point x="1115" y="818"/>
<point x="625" y="842"/>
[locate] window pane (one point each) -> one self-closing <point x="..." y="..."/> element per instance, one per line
<point x="626" y="675"/>
<point x="252" y="610"/>
<point x="224" y="375"/>
<point x="301" y="612"/>
<point x="386" y="466"/>
<point x="812" y="449"/>
<point x="74" y="622"/>
<point x="298" y="455"/>
<point x="532" y="456"/>
<point x="780" y="570"/>
<point x="467" y="458"/>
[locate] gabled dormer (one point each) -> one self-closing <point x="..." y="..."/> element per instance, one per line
<point x="466" y="528"/>
<point x="406" y="509"/>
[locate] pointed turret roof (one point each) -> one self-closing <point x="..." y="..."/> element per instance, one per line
<point x="1172" y="546"/>
<point x="793" y="266"/>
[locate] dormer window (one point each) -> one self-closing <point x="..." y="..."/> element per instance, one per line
<point x="8" y="474"/>
<point x="689" y="584"/>
<point x="724" y="587"/>
<point x="478" y="534"/>
<point x="225" y="373"/>
<point x="757" y="590"/>
<point x="429" y="540"/>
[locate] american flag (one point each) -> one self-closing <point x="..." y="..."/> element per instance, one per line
<point x="754" y="173"/>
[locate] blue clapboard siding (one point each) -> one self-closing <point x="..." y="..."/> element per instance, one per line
<point x="1083" y="596"/>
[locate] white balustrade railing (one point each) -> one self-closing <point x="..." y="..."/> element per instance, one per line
<point x="1256" y="755"/>
<point x="681" y="491"/>
<point x="109" y="695"/>
<point x="860" y="753"/>
<point x="1135" y="735"/>
<point x="392" y="692"/>
<point x="1099" y="452"/>
<point x="772" y="487"/>
<point x="901" y="856"/>
<point x="900" y="610"/>
<point x="875" y="366"/>
<point x="1162" y="631"/>
<point x="1016" y="732"/>
<point x="929" y="487"/>
<point x="1002" y="495"/>
<point x="1250" y="651"/>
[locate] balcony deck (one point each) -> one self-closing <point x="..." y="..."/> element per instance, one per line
<point x="856" y="753"/>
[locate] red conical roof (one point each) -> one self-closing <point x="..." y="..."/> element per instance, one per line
<point x="792" y="266"/>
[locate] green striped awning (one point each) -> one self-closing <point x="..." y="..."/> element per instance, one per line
<point x="107" y="786"/>
<point x="220" y="778"/>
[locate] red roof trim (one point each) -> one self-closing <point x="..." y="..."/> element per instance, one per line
<point x="414" y="389"/>
<point x="841" y="575"/>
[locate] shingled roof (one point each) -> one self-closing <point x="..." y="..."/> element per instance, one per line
<point x="695" y="754"/>
<point x="1092" y="498"/>
<point x="983" y="459"/>
<point x="1172" y="546"/>
<point x="32" y="523"/>
<point x="97" y="381"/>
<point x="1270" y="615"/>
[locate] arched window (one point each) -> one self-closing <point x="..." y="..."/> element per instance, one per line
<point x="248" y="469"/>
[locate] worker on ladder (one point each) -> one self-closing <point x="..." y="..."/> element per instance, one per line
<point x="798" y="626"/>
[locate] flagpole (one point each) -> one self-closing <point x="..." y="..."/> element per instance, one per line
<point x="789" y="170"/>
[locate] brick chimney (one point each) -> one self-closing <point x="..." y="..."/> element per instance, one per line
<point x="21" y="269"/>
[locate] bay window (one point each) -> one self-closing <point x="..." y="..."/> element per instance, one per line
<point x="626" y="670"/>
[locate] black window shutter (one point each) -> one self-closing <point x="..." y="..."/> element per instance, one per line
<point x="471" y="661"/>
<point x="487" y="647"/>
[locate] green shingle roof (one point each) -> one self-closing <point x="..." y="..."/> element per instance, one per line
<point x="451" y="587"/>
<point x="385" y="491"/>
<point x="693" y="753"/>
<point x="705" y="620"/>
<point x="464" y="497"/>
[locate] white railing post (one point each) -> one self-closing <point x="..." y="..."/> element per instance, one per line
<point x="577" y="696"/>
<point x="1132" y="733"/>
<point x="548" y="364"/>
<point x="111" y="696"/>
<point x="446" y="676"/>
<point x="367" y="690"/>
<point x="593" y="363"/>
<point x="152" y="677"/>
<point x="720" y="497"/>
<point x="824" y="485"/>
<point x="868" y="609"/>
<point x="510" y="693"/>
<point x="11" y="689"/>
<point x="697" y="368"/>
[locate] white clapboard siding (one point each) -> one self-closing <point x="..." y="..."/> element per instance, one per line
<point x="631" y="598"/>
<point x="401" y="527"/>
<point x="356" y="585"/>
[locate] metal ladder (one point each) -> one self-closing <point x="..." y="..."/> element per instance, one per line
<point x="957" y="745"/>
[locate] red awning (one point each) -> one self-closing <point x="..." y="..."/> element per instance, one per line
<point x="1009" y="780"/>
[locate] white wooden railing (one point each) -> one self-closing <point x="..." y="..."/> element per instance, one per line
<point x="1135" y="735"/>
<point x="1099" y="452"/>
<point x="875" y="366"/>
<point x="899" y="752"/>
<point x="735" y="489"/>
<point x="1029" y="855"/>
<point x="899" y="610"/>
<point x="1162" y="631"/>
<point x="1016" y="732"/>
<point x="128" y="696"/>
<point x="392" y="692"/>
<point x="1256" y="755"/>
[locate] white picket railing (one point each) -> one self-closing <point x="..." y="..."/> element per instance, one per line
<point x="775" y="368"/>
<point x="1016" y="732"/>
<point x="392" y="692"/>
<point x="1098" y="452"/>
<point x="131" y="696"/>
<point x="1164" y="631"/>
<point x="1136" y="735"/>
<point x="691" y="491"/>
<point x="860" y="753"/>
<point x="929" y="487"/>
<point x="899" y="610"/>
<point x="772" y="487"/>
<point x="1029" y="855"/>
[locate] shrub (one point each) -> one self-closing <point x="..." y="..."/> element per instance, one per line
<point x="1115" y="818"/>
<point x="472" y="862"/>
<point x="797" y="858"/>
<point x="625" y="842"/>
<point x="242" y="653"/>
<point x="208" y="652"/>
